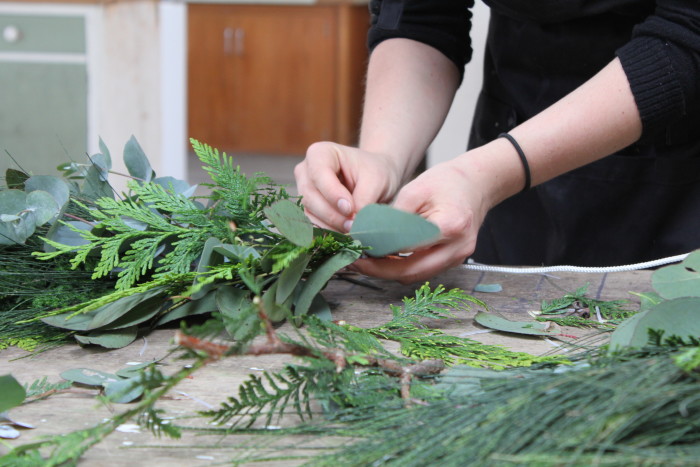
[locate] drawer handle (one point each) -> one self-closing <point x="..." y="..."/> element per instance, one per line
<point x="234" y="41"/>
<point x="11" y="34"/>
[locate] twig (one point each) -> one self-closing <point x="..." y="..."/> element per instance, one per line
<point x="274" y="345"/>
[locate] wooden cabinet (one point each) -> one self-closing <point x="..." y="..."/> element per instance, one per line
<point x="273" y="79"/>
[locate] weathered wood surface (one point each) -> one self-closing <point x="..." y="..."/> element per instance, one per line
<point x="356" y="304"/>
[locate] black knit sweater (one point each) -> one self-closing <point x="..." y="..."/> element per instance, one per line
<point x="661" y="56"/>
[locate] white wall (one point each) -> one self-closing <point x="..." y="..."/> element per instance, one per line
<point x="452" y="139"/>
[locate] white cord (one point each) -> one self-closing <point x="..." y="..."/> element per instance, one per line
<point x="566" y="268"/>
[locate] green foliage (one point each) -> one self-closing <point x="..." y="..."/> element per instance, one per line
<point x="612" y="311"/>
<point x="388" y="230"/>
<point x="164" y="247"/>
<point x="267" y="396"/>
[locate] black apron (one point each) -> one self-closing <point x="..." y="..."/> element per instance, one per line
<point x="640" y="204"/>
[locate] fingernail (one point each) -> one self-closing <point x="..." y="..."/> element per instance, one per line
<point x="344" y="207"/>
<point x="347" y="225"/>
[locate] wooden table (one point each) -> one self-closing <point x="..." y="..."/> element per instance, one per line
<point x="356" y="304"/>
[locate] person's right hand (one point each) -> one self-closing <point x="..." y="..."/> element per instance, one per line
<point x="336" y="181"/>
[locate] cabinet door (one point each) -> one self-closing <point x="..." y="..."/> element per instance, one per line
<point x="262" y="79"/>
<point x="43" y="90"/>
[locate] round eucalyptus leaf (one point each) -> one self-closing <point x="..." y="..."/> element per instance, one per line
<point x="678" y="317"/>
<point x="9" y="217"/>
<point x="388" y="230"/>
<point x="679" y="280"/>
<point x="124" y="391"/>
<point x="136" y="161"/>
<point x="55" y="186"/>
<point x="89" y="377"/>
<point x="43" y="205"/>
<point x="12" y="201"/>
<point x="18" y="230"/>
<point x="291" y="222"/>
<point x="12" y="393"/>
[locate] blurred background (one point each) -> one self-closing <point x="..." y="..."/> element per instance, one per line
<point x="259" y="80"/>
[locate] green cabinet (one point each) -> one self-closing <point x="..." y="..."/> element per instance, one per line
<point x="43" y="91"/>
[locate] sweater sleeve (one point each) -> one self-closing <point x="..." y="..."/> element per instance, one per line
<point x="662" y="63"/>
<point x="442" y="24"/>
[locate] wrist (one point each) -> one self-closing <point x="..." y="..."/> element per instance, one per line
<point x="494" y="169"/>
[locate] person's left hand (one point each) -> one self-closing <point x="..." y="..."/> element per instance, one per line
<point x="445" y="196"/>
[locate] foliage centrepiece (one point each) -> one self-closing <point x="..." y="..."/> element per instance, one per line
<point x="167" y="254"/>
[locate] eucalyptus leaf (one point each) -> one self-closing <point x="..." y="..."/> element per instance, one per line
<point x="679" y="317"/>
<point x="388" y="230"/>
<point x="89" y="377"/>
<point x="320" y="308"/>
<point x="679" y="280"/>
<point x="207" y="259"/>
<point x="105" y="152"/>
<point x="291" y="222"/>
<point x="235" y="307"/>
<point x="102" y="165"/>
<point x="104" y="315"/>
<point x="56" y="187"/>
<point x="18" y="230"/>
<point x="95" y="184"/>
<point x="275" y="309"/>
<point x="320" y="277"/>
<point x="237" y="253"/>
<point x="132" y="371"/>
<point x="80" y="322"/>
<point x="174" y="185"/>
<point x="14" y="179"/>
<point x="290" y="277"/>
<point x="205" y="304"/>
<point x="531" y="328"/>
<point x="133" y="223"/>
<point x="136" y="161"/>
<point x="12" y="201"/>
<point x="43" y="205"/>
<point x="12" y="393"/>
<point x="142" y="312"/>
<point x="124" y="391"/>
<point x="112" y="339"/>
<point x="61" y="232"/>
<point x="129" y="310"/>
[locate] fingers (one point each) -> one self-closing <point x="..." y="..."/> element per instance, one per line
<point x="418" y="267"/>
<point x="323" y="186"/>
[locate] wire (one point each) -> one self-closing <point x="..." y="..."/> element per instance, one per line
<point x="566" y="268"/>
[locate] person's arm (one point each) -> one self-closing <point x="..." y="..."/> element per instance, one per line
<point x="410" y="87"/>
<point x="595" y="120"/>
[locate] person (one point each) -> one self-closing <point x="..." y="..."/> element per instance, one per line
<point x="585" y="145"/>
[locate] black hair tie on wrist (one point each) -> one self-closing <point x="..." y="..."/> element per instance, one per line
<point x="523" y="159"/>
